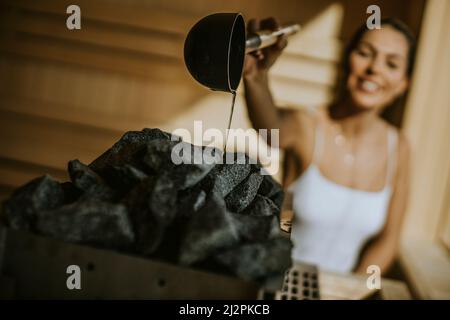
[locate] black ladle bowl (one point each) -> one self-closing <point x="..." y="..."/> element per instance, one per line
<point x="214" y="51"/>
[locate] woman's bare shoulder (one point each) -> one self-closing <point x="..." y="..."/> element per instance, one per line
<point x="403" y="145"/>
<point x="303" y="117"/>
<point x="403" y="154"/>
<point x="303" y="123"/>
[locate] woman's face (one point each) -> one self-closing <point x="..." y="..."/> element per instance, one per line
<point x="378" y="68"/>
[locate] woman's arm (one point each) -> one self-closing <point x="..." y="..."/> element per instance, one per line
<point x="264" y="114"/>
<point x="383" y="250"/>
<point x="261" y="108"/>
<point x="262" y="111"/>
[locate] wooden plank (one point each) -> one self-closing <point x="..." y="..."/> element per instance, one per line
<point x="325" y="49"/>
<point x="170" y="21"/>
<point x="114" y="12"/>
<point x="73" y="95"/>
<point x="50" y="143"/>
<point x="295" y="93"/>
<point x="305" y="69"/>
<point x="343" y="286"/>
<point x="394" y="290"/>
<point x="102" y="113"/>
<point x="148" y="66"/>
<point x="94" y="33"/>
<point x="444" y="231"/>
<point x="426" y="125"/>
<point x="353" y="287"/>
<point x="69" y="113"/>
<point x="12" y="178"/>
<point x="294" y="66"/>
<point x="15" y="173"/>
<point x="427" y="267"/>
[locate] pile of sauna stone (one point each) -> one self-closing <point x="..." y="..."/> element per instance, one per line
<point x="134" y="199"/>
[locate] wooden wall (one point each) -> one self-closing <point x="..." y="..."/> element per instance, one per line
<point x="425" y="246"/>
<point x="71" y="94"/>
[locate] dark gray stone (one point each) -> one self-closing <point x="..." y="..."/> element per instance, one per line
<point x="43" y="193"/>
<point x="200" y="201"/>
<point x="158" y="154"/>
<point x="152" y="207"/>
<point x="124" y="178"/>
<point x="228" y="176"/>
<point x="210" y="229"/>
<point x="256" y="228"/>
<point x="190" y="200"/>
<point x="89" y="182"/>
<point x="278" y="199"/>
<point x="261" y="206"/>
<point x="244" y="193"/>
<point x="272" y="190"/>
<point x="185" y="168"/>
<point x="92" y="222"/>
<point x="138" y="198"/>
<point x="257" y="261"/>
<point x="82" y="176"/>
<point x="275" y="229"/>
<point x="71" y="192"/>
<point x="128" y="150"/>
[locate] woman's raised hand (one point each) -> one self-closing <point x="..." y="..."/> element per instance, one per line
<point x="260" y="61"/>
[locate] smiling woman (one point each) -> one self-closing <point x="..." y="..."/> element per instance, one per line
<point x="342" y="162"/>
<point x="396" y="59"/>
<point x="378" y="67"/>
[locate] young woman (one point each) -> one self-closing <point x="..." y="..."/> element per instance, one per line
<point x="345" y="166"/>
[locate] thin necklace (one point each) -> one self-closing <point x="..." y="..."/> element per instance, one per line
<point x="343" y="143"/>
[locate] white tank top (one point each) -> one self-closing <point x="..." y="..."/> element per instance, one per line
<point x="332" y="222"/>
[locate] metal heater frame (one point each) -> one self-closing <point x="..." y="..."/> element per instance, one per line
<point x="35" y="267"/>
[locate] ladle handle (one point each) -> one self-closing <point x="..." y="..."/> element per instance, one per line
<point x="265" y="38"/>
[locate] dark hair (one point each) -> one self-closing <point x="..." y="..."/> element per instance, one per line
<point x="395" y="24"/>
<point x="394" y="112"/>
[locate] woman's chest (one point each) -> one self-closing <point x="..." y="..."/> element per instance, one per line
<point x="317" y="201"/>
<point x="363" y="166"/>
<point x="364" y="169"/>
